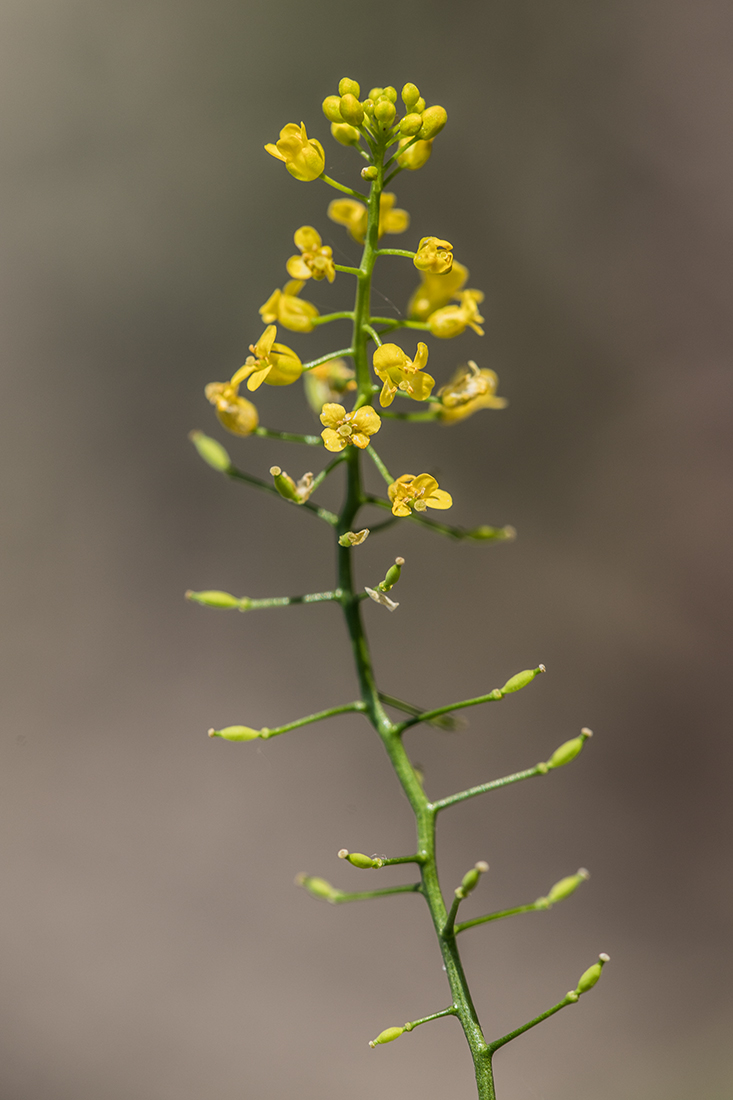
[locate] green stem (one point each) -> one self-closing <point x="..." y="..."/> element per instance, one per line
<point x="347" y="270"/>
<point x="379" y="464"/>
<point x="494" y="785"/>
<point x="408" y="777"/>
<point x="532" y="1023"/>
<point x="325" y="472"/>
<point x="396" y="322"/>
<point x="289" y="437"/>
<point x="288" y="601"/>
<point x="447" y="723"/>
<point x="374" y="335"/>
<point x="435" y="1016"/>
<point x="327" y="358"/>
<point x="365" y="895"/>
<point x="478" y="534"/>
<point x="492" y="697"/>
<point x="346" y="708"/>
<point x="342" y="187"/>
<point x="533" y="908"/>
<point x="325" y="318"/>
<point x="396" y="252"/>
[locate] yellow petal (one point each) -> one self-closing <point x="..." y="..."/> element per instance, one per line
<point x="360" y="440"/>
<point x="386" y="397"/>
<point x="332" y="414"/>
<point x="422" y="386"/>
<point x="265" y="342"/>
<point x="367" y="420"/>
<point x="307" y="239"/>
<point x="268" y="312"/>
<point x="255" y="380"/>
<point x="274" y="151"/>
<point x="389" y="355"/>
<point x="332" y="441"/>
<point x="439" y="499"/>
<point x="297" y="268"/>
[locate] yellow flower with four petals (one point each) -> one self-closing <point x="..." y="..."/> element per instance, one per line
<point x="454" y="319"/>
<point x="398" y="372"/>
<point x="287" y="309"/>
<point x="354" y="216"/>
<point x="316" y="259"/>
<point x="434" y="255"/>
<point x="420" y="492"/>
<point x="342" y="428"/>
<point x="469" y="390"/>
<point x="304" y="157"/>
<point x="269" y="362"/>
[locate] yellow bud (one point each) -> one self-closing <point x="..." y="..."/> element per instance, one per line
<point x="214" y="598"/>
<point x="567" y="886"/>
<point x="387" y="1036"/>
<point x="351" y="109"/>
<point x="236" y="733"/>
<point x="331" y="105"/>
<point x="589" y="978"/>
<point x="416" y="156"/>
<point x="410" y="125"/>
<point x="410" y="96"/>
<point x="211" y="451"/>
<point x="384" y="112"/>
<point x="433" y="121"/>
<point x="344" y="134"/>
<point x="348" y="87"/>
<point x="521" y="679"/>
<point x="390" y="93"/>
<point x="368" y="105"/>
<point x="375" y="94"/>
<point x="419" y="107"/>
<point x="569" y="750"/>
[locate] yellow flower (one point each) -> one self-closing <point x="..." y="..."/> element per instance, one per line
<point x="400" y="373"/>
<point x="420" y="492"/>
<point x="304" y="157"/>
<point x="436" y="291"/>
<point x="434" y="255"/>
<point x="327" y="382"/>
<point x="287" y="309"/>
<point x="342" y="428"/>
<point x="316" y="260"/>
<point x="453" y="320"/>
<point x="353" y="215"/>
<point x="238" y="415"/>
<point x="269" y="362"/>
<point x="416" y="156"/>
<point x="469" y="390"/>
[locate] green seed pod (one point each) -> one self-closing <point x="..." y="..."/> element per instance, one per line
<point x="589" y="978"/>
<point x="410" y="96"/>
<point x="387" y="1036"/>
<point x="521" y="679"/>
<point x="384" y="112"/>
<point x="369" y="173"/>
<point x="358" y="859"/>
<point x="331" y="108"/>
<point x="211" y="451"/>
<point x="351" y="109"/>
<point x="390" y="93"/>
<point x="433" y="121"/>
<point x="569" y="750"/>
<point x="318" y="887"/>
<point x="349" y="87"/>
<point x="567" y="886"/>
<point x="410" y="125"/>
<point x="236" y="733"/>
<point x="284" y="484"/>
<point x="344" y="134"/>
<point x="393" y="575"/>
<point x="213" y="598"/>
<point x="470" y="879"/>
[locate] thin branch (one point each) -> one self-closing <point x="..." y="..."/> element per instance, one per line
<point x="342" y="187"/>
<point x="478" y="534"/>
<point x="347" y="270"/>
<point x="567" y="1000"/>
<point x="327" y="358"/>
<point x="289" y="601"/>
<point x="494" y="785"/>
<point x="289" y="437"/>
<point x="325" y="318"/>
<point x="267" y="487"/>
<point x="346" y="708"/>
<point x="374" y="335"/>
<point x="533" y="908"/>
<point x="396" y="252"/>
<point x="325" y="472"/>
<point x="445" y="723"/>
<point x="380" y="465"/>
<point x="366" y="895"/>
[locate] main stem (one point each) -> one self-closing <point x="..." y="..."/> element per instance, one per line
<point x="425" y="813"/>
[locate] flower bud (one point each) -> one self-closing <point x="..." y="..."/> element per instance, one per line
<point x="369" y="173"/>
<point x="213" y="598"/>
<point x="416" y="156"/>
<point x="393" y="575"/>
<point x="331" y="108"/>
<point x="419" y="107"/>
<point x="348" y="87"/>
<point x="589" y="978"/>
<point x="387" y="1036"/>
<point x="236" y="733"/>
<point x="470" y="879"/>
<point x="211" y="451"/>
<point x="358" y="859"/>
<point x="384" y="112"/>
<point x="354" y="538"/>
<point x="410" y="125"/>
<point x="433" y="121"/>
<point x="569" y="750"/>
<point x="318" y="887"/>
<point x="410" y="96"/>
<point x="284" y="484"/>
<point x="344" y="134"/>
<point x="368" y="105"/>
<point x="391" y="93"/>
<point x="567" y="886"/>
<point x="521" y="679"/>
<point x="375" y="93"/>
<point x="351" y="109"/>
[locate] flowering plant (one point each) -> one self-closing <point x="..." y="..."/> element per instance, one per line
<point x="443" y="308"/>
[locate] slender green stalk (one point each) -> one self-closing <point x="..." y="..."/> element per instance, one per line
<point x="342" y="187"/>
<point x="379" y="464"/>
<point x="331" y="712"/>
<point x="288" y="601"/>
<point x="567" y="1000"/>
<point x="533" y="908"/>
<point x="267" y="487"/>
<point x="289" y="437"/>
<point x="396" y="252"/>
<point x="367" y="895"/>
<point x="331" y="355"/>
<point x="326" y="318"/>
<point x="483" y="788"/>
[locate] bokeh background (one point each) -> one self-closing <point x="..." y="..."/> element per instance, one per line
<point x="153" y="943"/>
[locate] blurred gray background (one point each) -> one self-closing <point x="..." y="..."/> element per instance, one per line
<point x="153" y="945"/>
